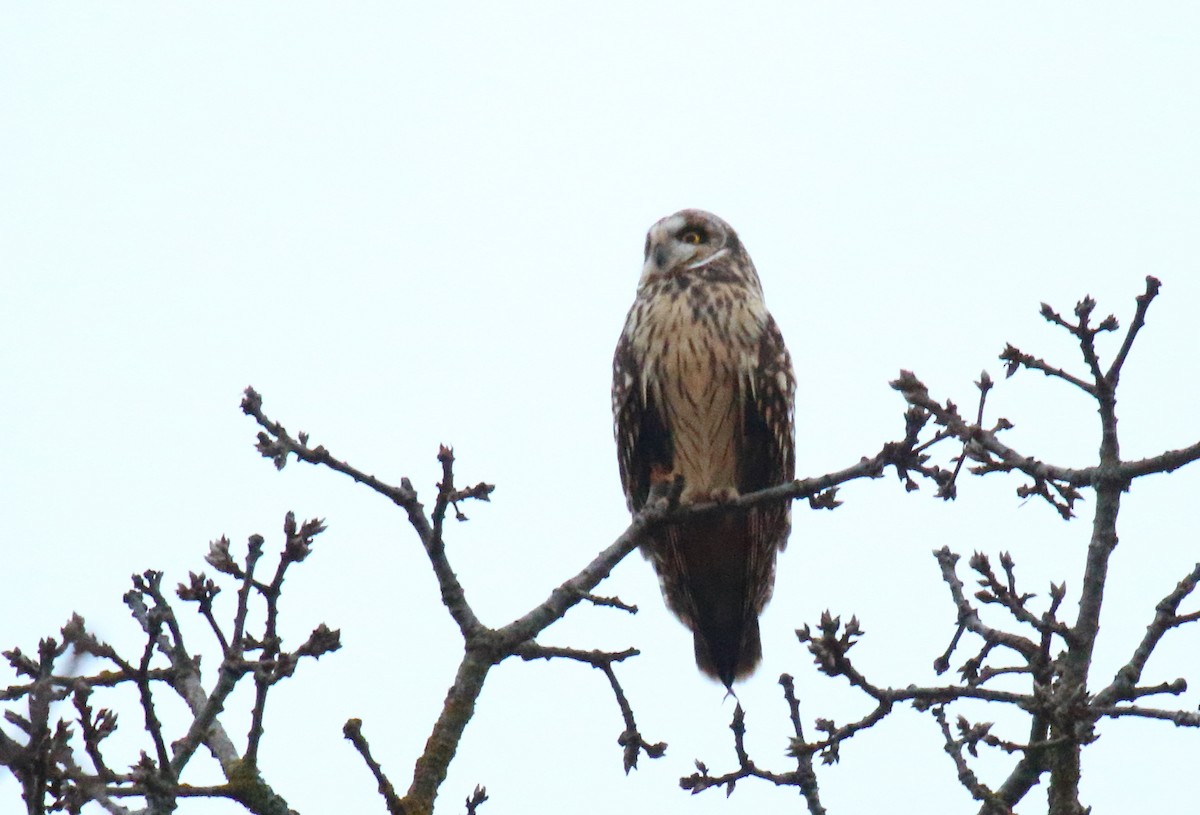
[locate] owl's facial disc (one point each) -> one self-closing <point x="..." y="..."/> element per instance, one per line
<point x="679" y="243"/>
<point x="707" y="259"/>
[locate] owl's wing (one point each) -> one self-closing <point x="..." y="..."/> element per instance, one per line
<point x="767" y="458"/>
<point x="642" y="440"/>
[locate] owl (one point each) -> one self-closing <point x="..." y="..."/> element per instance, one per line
<point x="703" y="389"/>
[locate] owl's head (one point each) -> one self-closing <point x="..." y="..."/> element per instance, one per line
<point x="688" y="241"/>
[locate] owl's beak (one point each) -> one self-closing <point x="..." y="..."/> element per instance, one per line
<point x="659" y="260"/>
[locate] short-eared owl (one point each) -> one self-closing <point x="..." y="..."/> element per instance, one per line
<point x="703" y="389"/>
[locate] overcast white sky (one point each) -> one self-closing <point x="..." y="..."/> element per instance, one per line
<point x="410" y="225"/>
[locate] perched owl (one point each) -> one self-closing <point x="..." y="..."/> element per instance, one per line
<point x="703" y="388"/>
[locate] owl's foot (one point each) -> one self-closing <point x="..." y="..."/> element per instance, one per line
<point x="721" y="495"/>
<point x="665" y="487"/>
<point x="725" y="495"/>
<point x="660" y="474"/>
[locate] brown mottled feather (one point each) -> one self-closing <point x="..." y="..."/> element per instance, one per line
<point x="701" y="375"/>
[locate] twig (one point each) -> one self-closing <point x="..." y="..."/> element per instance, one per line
<point x="1139" y="320"/>
<point x="610" y="602"/>
<point x="806" y="776"/>
<point x="1180" y="718"/>
<point x="953" y="747"/>
<point x="700" y="781"/>
<point x="476" y="800"/>
<point x="352" y="730"/>
<point x="1017" y="359"/>
<point x="967" y="615"/>
<point x="153" y="726"/>
<point x="276" y="444"/>
<point x="631" y="739"/>
<point x="1006" y="595"/>
<point x="1165" y="618"/>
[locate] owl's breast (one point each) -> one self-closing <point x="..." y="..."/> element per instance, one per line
<point x="697" y="352"/>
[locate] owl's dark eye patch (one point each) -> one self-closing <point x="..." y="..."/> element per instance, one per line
<point x="693" y="235"/>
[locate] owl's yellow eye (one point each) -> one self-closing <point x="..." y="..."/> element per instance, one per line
<point x="692" y="236"/>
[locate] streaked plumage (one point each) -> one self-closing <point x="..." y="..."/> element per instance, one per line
<point x="703" y="388"/>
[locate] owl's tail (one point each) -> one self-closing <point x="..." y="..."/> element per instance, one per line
<point x="724" y="591"/>
<point x="728" y="652"/>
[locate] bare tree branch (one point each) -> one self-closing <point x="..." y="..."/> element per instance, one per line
<point x="353" y="731"/>
<point x="631" y="739"/>
<point x="1139" y="319"/>
<point x="1165" y="618"/>
<point x="485" y="646"/>
<point x="1037" y="647"/>
<point x="1062" y="714"/>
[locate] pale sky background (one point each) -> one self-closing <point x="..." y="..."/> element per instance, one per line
<point x="411" y="225"/>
